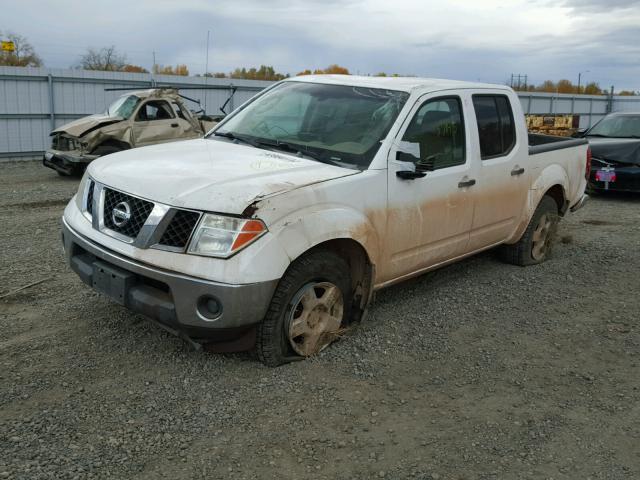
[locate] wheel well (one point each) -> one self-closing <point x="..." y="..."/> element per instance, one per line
<point x="113" y="143"/>
<point x="557" y="193"/>
<point x="362" y="271"/>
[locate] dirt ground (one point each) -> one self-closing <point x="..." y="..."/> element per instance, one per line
<point x="478" y="371"/>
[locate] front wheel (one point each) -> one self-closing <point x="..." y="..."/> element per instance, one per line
<point x="308" y="311"/>
<point x="535" y="245"/>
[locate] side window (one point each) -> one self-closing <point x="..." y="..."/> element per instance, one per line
<point x="178" y="110"/>
<point x="495" y="125"/>
<point x="154" y="110"/>
<point x="435" y="135"/>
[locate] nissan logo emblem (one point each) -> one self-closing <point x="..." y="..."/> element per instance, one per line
<point x="121" y="214"/>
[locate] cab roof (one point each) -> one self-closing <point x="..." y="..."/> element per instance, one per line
<point x="154" y="92"/>
<point x="404" y="84"/>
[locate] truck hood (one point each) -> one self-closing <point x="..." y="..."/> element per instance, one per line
<point x="210" y="175"/>
<point x="616" y="150"/>
<point x="83" y="125"/>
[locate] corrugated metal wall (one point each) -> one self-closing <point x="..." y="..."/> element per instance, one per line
<point x="28" y="96"/>
<point x="35" y="100"/>
<point x="591" y="108"/>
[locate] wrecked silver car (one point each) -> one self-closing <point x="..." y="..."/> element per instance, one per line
<point x="135" y="119"/>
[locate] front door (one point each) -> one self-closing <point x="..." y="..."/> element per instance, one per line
<point x="430" y="216"/>
<point x="155" y="122"/>
<point x="501" y="192"/>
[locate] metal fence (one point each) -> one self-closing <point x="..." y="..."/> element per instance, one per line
<point x="590" y="108"/>
<point x="34" y="101"/>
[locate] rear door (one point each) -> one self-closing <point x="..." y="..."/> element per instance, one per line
<point x="429" y="217"/>
<point x="502" y="176"/>
<point x="186" y="128"/>
<point x="155" y="122"/>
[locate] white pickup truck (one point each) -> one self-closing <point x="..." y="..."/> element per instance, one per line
<point x="274" y="230"/>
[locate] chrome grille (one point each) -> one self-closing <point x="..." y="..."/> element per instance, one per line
<point x="89" y="206"/>
<point x="139" y="212"/>
<point x="62" y="143"/>
<point x="179" y="230"/>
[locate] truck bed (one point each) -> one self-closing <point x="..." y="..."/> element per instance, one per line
<point x="539" y="143"/>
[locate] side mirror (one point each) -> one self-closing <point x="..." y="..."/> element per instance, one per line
<point x="428" y="164"/>
<point x="409" y="174"/>
<point x="579" y="133"/>
<point x="405" y="157"/>
<point x="422" y="166"/>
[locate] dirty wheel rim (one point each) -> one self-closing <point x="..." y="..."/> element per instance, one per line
<point x="542" y="237"/>
<point x="315" y="316"/>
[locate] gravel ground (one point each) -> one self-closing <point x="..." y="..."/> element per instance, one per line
<point x="478" y="371"/>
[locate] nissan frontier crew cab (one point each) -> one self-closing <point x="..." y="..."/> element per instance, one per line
<point x="274" y="230"/>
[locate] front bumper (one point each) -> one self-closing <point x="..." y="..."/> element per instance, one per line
<point x="66" y="162"/>
<point x="172" y="299"/>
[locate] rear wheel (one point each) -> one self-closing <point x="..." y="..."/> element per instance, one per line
<point x="536" y="242"/>
<point x="308" y="311"/>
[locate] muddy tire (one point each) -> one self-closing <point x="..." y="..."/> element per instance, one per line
<point x="535" y="244"/>
<point x="308" y="310"/>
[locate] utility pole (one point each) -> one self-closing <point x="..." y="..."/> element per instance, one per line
<point x="579" y="79"/>
<point x="610" y="102"/>
<point x="518" y="81"/>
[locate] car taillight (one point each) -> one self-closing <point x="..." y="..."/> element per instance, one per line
<point x="588" y="170"/>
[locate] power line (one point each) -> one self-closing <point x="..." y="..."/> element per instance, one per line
<point x="519" y="81"/>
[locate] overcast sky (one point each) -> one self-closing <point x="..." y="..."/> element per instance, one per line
<point x="483" y="40"/>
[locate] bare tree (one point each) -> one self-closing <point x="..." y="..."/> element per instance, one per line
<point x="105" y="58"/>
<point x="22" y="56"/>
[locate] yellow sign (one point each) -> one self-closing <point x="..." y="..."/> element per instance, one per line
<point x="8" y="47"/>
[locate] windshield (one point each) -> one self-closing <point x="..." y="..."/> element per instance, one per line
<point x="122" y="107"/>
<point x="621" y="126"/>
<point x="331" y="123"/>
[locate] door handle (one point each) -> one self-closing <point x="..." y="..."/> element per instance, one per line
<point x="467" y="183"/>
<point x="517" y="171"/>
<point x="174" y="125"/>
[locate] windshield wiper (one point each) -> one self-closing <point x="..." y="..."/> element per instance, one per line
<point x="597" y="135"/>
<point x="277" y="144"/>
<point x="288" y="147"/>
<point x="236" y="138"/>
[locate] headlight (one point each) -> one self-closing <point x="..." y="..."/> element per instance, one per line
<point x="82" y="191"/>
<point x="219" y="236"/>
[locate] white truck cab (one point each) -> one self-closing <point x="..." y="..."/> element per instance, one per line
<point x="274" y="231"/>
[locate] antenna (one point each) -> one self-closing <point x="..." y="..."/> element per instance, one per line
<point x="206" y="71"/>
<point x="153" y="71"/>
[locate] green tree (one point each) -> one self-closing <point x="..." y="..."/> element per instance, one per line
<point x="331" y="69"/>
<point x="565" y="86"/>
<point x="265" y="72"/>
<point x="592" y="88"/>
<point x="180" y="70"/>
<point x="546" y="86"/>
